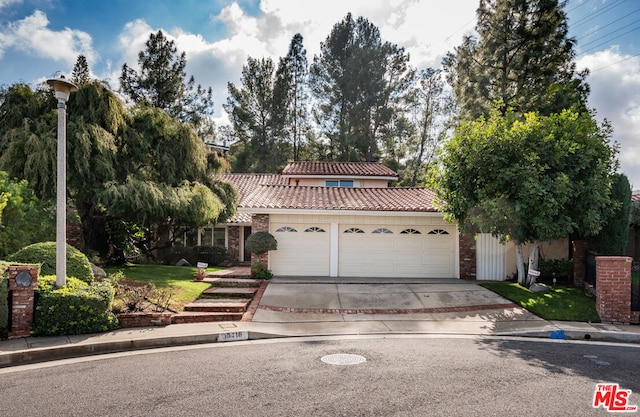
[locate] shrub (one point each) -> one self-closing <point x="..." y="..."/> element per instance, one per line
<point x="44" y="253"/>
<point x="213" y="255"/>
<point x="171" y="255"/>
<point x="77" y="308"/>
<point x="613" y="238"/>
<point x="259" y="271"/>
<point x="260" y="243"/>
<point x="561" y="267"/>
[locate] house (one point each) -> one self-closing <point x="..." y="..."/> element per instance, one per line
<point x="342" y="219"/>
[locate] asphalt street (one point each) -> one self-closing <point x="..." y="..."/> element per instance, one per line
<point x="391" y="376"/>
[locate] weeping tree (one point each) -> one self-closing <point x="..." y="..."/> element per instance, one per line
<point x="133" y="176"/>
<point x="528" y="179"/>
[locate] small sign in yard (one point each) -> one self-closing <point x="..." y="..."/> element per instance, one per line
<point x="202" y="265"/>
<point x="534" y="273"/>
<point x="233" y="336"/>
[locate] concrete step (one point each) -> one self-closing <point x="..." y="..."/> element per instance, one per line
<point x="226" y="305"/>
<point x="204" y="317"/>
<point x="233" y="282"/>
<point x="230" y="292"/>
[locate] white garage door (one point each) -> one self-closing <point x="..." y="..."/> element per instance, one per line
<point x="397" y="251"/>
<point x="303" y="250"/>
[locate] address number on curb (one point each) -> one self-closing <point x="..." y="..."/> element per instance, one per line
<point x="233" y="336"/>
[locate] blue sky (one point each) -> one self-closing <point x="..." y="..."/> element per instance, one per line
<point x="40" y="38"/>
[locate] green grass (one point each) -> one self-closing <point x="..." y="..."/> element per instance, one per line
<point x="562" y="303"/>
<point x="179" y="278"/>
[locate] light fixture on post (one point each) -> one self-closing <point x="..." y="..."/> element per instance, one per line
<point x="62" y="89"/>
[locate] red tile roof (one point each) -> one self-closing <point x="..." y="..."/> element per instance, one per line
<point x="245" y="184"/>
<point x="635" y="197"/>
<point x="365" y="169"/>
<point x="340" y="198"/>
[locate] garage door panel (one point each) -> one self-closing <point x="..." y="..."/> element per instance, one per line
<point x="406" y="255"/>
<point x="300" y="253"/>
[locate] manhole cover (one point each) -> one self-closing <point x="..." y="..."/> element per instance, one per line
<point x="343" y="359"/>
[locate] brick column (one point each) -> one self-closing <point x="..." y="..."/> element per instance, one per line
<point x="233" y="248"/>
<point x="467" y="245"/>
<point x="260" y="223"/>
<point x="579" y="249"/>
<point x="613" y="289"/>
<point x="22" y="293"/>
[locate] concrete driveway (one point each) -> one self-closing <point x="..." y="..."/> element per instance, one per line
<point x="389" y="304"/>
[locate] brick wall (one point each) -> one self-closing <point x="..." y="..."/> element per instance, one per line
<point x="579" y="249"/>
<point x="467" y="257"/>
<point x="129" y="320"/>
<point x="260" y="223"/>
<point x="233" y="240"/>
<point x="613" y="289"/>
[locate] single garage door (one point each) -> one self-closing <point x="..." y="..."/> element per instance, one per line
<point x="303" y="250"/>
<point x="397" y="251"/>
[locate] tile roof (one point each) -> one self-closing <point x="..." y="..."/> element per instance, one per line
<point x="635" y="197"/>
<point x="366" y="169"/>
<point x="245" y="184"/>
<point x="340" y="198"/>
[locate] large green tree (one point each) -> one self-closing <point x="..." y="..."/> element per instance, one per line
<point x="132" y="174"/>
<point x="23" y="218"/>
<point x="297" y="88"/>
<point x="358" y="82"/>
<point x="258" y="110"/>
<point x="161" y="81"/>
<point x="430" y="108"/>
<point x="528" y="179"/>
<point x="521" y="58"/>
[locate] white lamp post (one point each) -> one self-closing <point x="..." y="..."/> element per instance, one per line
<point x="63" y="89"/>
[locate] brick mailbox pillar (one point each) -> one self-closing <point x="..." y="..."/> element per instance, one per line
<point x="260" y="223"/>
<point x="23" y="281"/>
<point x="613" y="289"/>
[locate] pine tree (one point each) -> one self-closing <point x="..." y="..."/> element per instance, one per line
<point x="521" y="59"/>
<point x="296" y="61"/>
<point x="358" y="82"/>
<point x="81" y="74"/>
<point x="162" y="82"/>
<point x="258" y="112"/>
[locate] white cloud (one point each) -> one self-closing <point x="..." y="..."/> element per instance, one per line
<point x="33" y="37"/>
<point x="615" y="82"/>
<point x="7" y="3"/>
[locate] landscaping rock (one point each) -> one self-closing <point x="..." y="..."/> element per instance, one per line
<point x="183" y="262"/>
<point x="98" y="272"/>
<point x="540" y="288"/>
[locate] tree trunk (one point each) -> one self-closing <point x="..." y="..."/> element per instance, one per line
<point x="533" y="262"/>
<point x="520" y="262"/>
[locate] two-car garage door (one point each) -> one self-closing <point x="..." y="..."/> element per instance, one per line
<point x="364" y="250"/>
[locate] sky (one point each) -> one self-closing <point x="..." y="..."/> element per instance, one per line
<point x="40" y="39"/>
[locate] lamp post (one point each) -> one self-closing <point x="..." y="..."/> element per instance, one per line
<point x="63" y="89"/>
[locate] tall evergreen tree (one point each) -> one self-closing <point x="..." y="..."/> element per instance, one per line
<point x="258" y="112"/>
<point x="522" y="58"/>
<point x="296" y="61"/>
<point x="162" y="82"/>
<point x="430" y="109"/>
<point x="81" y="74"/>
<point x="358" y="82"/>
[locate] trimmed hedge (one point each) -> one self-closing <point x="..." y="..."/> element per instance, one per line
<point x="77" y="308"/>
<point x="44" y="253"/>
<point x="213" y="255"/>
<point x="261" y="243"/>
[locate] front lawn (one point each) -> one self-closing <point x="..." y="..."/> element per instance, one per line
<point x="562" y="303"/>
<point x="179" y="279"/>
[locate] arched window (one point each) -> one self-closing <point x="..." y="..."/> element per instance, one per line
<point x="315" y="229"/>
<point x="438" y="232"/>
<point x="410" y="232"/>
<point x="286" y="229"/>
<point x="383" y="230"/>
<point x="354" y="230"/>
